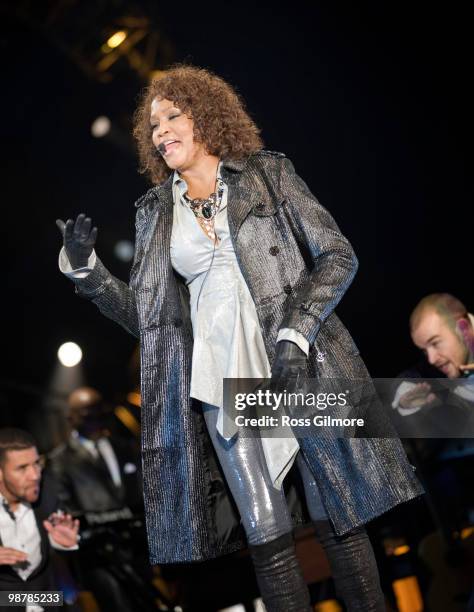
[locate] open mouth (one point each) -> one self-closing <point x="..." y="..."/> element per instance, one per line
<point x="170" y="146"/>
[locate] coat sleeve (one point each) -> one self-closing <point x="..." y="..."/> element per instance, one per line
<point x="114" y="298"/>
<point x="332" y="257"/>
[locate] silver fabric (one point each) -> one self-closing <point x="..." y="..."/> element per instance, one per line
<point x="287" y="246"/>
<point x="228" y="341"/>
<point x="262" y="507"/>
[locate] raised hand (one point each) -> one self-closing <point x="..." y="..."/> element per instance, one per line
<point x="62" y="528"/>
<point x="78" y="238"/>
<point x="420" y="396"/>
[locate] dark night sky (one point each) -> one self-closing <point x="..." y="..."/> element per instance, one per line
<point x="371" y="104"/>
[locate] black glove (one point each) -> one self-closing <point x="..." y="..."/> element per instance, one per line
<point x="79" y="239"/>
<point x="288" y="366"/>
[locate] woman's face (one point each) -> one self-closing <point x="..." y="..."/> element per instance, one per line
<point x="174" y="129"/>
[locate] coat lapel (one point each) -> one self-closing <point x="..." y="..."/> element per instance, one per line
<point x="40" y="517"/>
<point x="240" y="198"/>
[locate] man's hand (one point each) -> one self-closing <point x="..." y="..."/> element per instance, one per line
<point x="11" y="556"/>
<point x="63" y="529"/>
<point x="79" y="239"/>
<point x="418" y="397"/>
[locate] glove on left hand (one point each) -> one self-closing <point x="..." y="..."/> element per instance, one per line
<point x="288" y="366"/>
<point x="79" y="239"/>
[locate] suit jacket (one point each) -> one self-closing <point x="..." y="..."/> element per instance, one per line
<point x="85" y="484"/>
<point x="40" y="579"/>
<point x="297" y="266"/>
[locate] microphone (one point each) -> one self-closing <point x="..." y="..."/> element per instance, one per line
<point x="161" y="148"/>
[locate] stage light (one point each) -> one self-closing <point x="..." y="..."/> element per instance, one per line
<point x="134" y="398"/>
<point x="128" y="420"/>
<point x="408" y="594"/>
<point x="401" y="550"/>
<point x="116" y="39"/>
<point x="69" y="354"/>
<point x="100" y="126"/>
<point x="124" y="250"/>
<point x="156" y="75"/>
<point x="328" y="605"/>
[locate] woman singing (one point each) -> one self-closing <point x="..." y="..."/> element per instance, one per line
<point x="236" y="274"/>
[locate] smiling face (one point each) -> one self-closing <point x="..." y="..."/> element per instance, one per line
<point x="442" y="346"/>
<point x="20" y="475"/>
<point x="174" y="129"/>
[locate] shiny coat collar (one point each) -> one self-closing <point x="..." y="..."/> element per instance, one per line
<point x="241" y="199"/>
<point x="231" y="169"/>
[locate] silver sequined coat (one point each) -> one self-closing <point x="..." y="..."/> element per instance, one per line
<point x="297" y="266"/>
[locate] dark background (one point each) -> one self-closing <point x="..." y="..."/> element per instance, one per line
<point x="371" y="102"/>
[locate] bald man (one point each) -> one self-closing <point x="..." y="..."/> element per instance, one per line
<point x="438" y="413"/>
<point x="441" y="327"/>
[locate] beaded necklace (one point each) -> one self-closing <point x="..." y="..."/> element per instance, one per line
<point x="205" y="209"/>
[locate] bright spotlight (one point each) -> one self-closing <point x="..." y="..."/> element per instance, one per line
<point x="116" y="39"/>
<point x="69" y="354"/>
<point x="100" y="127"/>
<point x="124" y="250"/>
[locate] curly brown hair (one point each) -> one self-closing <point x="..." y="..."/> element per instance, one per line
<point x="221" y="122"/>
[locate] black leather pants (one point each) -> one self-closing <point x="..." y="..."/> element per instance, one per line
<point x="353" y="567"/>
<point x="351" y="557"/>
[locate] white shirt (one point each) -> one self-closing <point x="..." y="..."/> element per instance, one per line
<point x="23" y="534"/>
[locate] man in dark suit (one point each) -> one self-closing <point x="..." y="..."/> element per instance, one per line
<point x="99" y="477"/>
<point x="29" y="524"/>
<point x="96" y="472"/>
